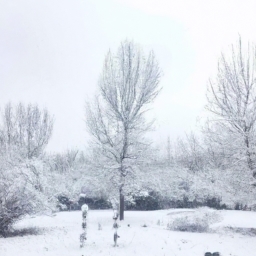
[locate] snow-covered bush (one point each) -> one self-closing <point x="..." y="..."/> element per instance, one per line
<point x="18" y="198"/>
<point x="65" y="204"/>
<point x="24" y="189"/>
<point x="62" y="207"/>
<point x="147" y="201"/>
<point x="197" y="222"/>
<point x="95" y="202"/>
<point x="186" y="224"/>
<point x="14" y="202"/>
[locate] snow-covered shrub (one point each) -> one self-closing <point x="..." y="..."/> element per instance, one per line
<point x="62" y="207"/>
<point x="32" y="231"/>
<point x="212" y="202"/>
<point x="17" y="198"/>
<point x="14" y="203"/>
<point x="242" y="231"/>
<point x="253" y="207"/>
<point x="64" y="203"/>
<point x="197" y="222"/>
<point x="146" y="202"/>
<point x="95" y="202"/>
<point x="187" y="224"/>
<point x="23" y="190"/>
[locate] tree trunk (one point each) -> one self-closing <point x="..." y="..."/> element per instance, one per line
<point x="121" y="206"/>
<point x="248" y="154"/>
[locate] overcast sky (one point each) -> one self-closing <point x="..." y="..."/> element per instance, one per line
<point x="52" y="52"/>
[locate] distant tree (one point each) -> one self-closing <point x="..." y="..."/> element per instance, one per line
<point x="128" y="84"/>
<point x="26" y="128"/>
<point x="66" y="161"/>
<point x="189" y="152"/>
<point x="232" y="102"/>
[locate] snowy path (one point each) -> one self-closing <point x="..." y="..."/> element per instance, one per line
<point x="60" y="236"/>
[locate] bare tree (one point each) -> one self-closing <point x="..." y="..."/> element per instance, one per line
<point x="189" y="152"/>
<point x="232" y="101"/>
<point x="128" y="84"/>
<point x="26" y="129"/>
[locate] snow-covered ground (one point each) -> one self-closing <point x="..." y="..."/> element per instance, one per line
<point x="140" y="234"/>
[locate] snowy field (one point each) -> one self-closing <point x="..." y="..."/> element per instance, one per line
<point x="142" y="233"/>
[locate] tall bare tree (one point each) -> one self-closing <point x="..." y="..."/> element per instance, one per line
<point x="232" y="101"/>
<point x="128" y="83"/>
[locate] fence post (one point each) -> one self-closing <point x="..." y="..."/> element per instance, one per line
<point x="83" y="237"/>
<point x="115" y="226"/>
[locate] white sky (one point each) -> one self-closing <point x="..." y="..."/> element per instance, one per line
<point x="52" y="52"/>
